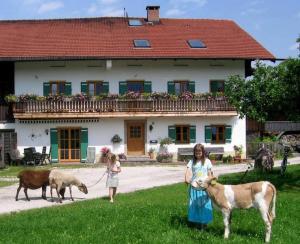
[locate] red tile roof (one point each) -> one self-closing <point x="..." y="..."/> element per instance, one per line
<point x="112" y="38"/>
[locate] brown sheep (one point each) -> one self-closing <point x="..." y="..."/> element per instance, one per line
<point x="34" y="179"/>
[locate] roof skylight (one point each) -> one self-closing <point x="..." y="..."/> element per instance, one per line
<point x="141" y="43"/>
<point x="195" y="43"/>
<point x="134" y="22"/>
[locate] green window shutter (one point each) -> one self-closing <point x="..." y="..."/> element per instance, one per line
<point x="83" y="144"/>
<point x="171" y="87"/>
<point x="208" y="134"/>
<point x="192" y="86"/>
<point x="105" y="87"/>
<point x="228" y="132"/>
<point x="192" y="134"/>
<point x="172" y="132"/>
<point x="68" y="89"/>
<point x="46" y="89"/>
<point x="54" y="145"/>
<point x="148" y="86"/>
<point x="122" y="87"/>
<point x="84" y="88"/>
<point x="213" y="86"/>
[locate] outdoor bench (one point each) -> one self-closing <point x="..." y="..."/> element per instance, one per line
<point x="189" y="151"/>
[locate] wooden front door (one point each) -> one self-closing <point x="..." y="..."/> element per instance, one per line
<point x="135" y="138"/>
<point x="69" y="145"/>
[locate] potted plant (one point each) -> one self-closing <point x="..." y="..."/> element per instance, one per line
<point x="151" y="153"/>
<point x="164" y="157"/>
<point x="238" y="150"/>
<point x="11" y="98"/>
<point x="116" y="139"/>
<point x="104" y="154"/>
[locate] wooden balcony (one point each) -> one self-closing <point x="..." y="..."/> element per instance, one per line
<point x="122" y="108"/>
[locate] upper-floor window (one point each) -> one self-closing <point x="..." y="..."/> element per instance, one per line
<point x="218" y="134"/>
<point x="135" y="86"/>
<point x="182" y="134"/>
<point x="181" y="87"/>
<point x="95" y="88"/>
<point x="217" y="86"/>
<point x="57" y="87"/>
<point x="142" y="43"/>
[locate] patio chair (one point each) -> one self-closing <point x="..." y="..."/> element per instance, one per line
<point x="28" y="157"/>
<point x="31" y="157"/>
<point x="44" y="156"/>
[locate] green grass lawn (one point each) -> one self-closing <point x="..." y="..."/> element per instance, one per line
<point x="158" y="215"/>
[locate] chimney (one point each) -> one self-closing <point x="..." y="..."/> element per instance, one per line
<point x="152" y="13"/>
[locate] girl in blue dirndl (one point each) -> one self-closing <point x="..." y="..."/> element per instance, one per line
<point x="200" y="207"/>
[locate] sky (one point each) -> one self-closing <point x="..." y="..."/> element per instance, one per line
<point x="273" y="23"/>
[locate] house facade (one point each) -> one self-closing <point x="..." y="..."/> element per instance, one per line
<point x="176" y="64"/>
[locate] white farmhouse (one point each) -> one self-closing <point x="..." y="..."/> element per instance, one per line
<point x="166" y="60"/>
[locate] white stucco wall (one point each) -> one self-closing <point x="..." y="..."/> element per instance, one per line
<point x="29" y="78"/>
<point x="100" y="133"/>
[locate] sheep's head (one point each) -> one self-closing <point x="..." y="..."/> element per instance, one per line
<point x="83" y="188"/>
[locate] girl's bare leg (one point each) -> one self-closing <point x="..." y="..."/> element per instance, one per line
<point x="115" y="191"/>
<point x="111" y="194"/>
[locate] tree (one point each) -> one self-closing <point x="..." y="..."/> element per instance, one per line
<point x="257" y="96"/>
<point x="298" y="41"/>
<point x="289" y="78"/>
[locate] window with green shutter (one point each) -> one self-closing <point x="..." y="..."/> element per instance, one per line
<point x="96" y="88"/>
<point x="84" y="88"/>
<point x="192" y="86"/>
<point x="207" y="134"/>
<point x="182" y="134"/>
<point x="83" y="144"/>
<point x="171" y="87"/>
<point x="60" y="87"/>
<point x="68" y="89"/>
<point x="218" y="134"/>
<point x="228" y="133"/>
<point x="181" y="86"/>
<point x="122" y="87"/>
<point x="147" y="86"/>
<point x="105" y="87"/>
<point x="192" y="134"/>
<point x="54" y="145"/>
<point x="46" y="89"/>
<point x="172" y="132"/>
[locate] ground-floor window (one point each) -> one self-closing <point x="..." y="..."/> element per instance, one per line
<point x="182" y="134"/>
<point x="218" y="134"/>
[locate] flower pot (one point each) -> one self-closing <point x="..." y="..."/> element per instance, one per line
<point x="151" y="155"/>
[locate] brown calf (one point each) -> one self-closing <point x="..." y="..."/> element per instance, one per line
<point x="227" y="197"/>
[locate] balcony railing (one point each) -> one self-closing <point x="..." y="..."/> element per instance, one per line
<point x="115" y="106"/>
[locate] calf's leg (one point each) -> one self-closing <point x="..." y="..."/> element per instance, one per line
<point x="268" y="224"/>
<point x="226" y="219"/>
<point x="18" y="190"/>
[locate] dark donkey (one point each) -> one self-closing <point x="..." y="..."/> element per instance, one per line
<point x="34" y="179"/>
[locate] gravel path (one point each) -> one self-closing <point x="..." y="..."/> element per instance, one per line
<point x="131" y="179"/>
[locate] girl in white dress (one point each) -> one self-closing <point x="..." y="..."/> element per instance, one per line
<point x="113" y="169"/>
